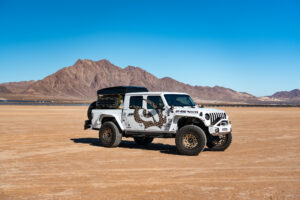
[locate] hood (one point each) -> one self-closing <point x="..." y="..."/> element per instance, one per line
<point x="189" y="111"/>
<point x="198" y="110"/>
<point x="211" y="110"/>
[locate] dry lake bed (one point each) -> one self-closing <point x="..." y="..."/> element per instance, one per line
<point x="46" y="154"/>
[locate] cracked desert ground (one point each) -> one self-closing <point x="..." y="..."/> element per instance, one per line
<point x="46" y="154"/>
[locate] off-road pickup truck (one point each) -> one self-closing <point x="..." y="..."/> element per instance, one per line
<point x="128" y="111"/>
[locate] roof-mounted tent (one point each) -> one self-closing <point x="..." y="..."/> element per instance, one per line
<point x="121" y="90"/>
<point x="112" y="98"/>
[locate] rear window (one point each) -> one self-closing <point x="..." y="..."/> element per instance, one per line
<point x="136" y="101"/>
<point x="154" y="99"/>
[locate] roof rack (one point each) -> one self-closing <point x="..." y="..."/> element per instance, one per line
<point x="121" y="90"/>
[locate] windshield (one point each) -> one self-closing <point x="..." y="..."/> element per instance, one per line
<point x="179" y="100"/>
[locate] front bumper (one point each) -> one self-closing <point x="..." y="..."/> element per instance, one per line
<point x="222" y="127"/>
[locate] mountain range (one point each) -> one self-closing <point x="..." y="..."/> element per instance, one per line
<point x="85" y="77"/>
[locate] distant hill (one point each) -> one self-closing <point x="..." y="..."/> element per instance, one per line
<point x="17" y="87"/>
<point x="290" y="95"/>
<point x="3" y="89"/>
<point x="85" y="77"/>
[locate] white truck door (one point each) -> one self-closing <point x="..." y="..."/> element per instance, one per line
<point x="156" y="117"/>
<point x="133" y="106"/>
<point x="145" y="113"/>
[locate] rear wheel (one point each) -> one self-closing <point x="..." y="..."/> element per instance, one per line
<point x="109" y="135"/>
<point x="190" y="140"/>
<point x="220" y="143"/>
<point x="143" y="140"/>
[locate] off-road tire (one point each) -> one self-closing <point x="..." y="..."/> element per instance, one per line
<point x="143" y="140"/>
<point x="190" y="140"/>
<point x="220" y="147"/>
<point x="109" y="135"/>
<point x="89" y="112"/>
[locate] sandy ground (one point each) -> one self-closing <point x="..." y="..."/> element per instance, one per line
<point x="45" y="154"/>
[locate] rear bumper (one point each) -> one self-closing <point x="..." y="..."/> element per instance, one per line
<point x="219" y="128"/>
<point x="87" y="124"/>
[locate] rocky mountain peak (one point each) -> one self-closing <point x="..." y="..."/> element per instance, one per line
<point x="85" y="77"/>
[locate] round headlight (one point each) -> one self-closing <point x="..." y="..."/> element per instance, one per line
<point x="207" y="117"/>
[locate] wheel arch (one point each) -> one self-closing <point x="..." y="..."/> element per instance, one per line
<point x="104" y="118"/>
<point x="183" y="121"/>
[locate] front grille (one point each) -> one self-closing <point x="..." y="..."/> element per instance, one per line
<point x="215" y="117"/>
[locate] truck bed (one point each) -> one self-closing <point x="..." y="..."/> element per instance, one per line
<point x="95" y="123"/>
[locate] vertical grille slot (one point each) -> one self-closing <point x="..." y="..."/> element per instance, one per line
<point x="215" y="117"/>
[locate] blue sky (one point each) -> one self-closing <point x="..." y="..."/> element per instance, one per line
<point x="251" y="46"/>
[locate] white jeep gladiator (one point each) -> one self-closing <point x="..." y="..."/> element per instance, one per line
<point x="128" y="111"/>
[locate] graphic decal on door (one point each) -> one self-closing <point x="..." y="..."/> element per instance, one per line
<point x="162" y="119"/>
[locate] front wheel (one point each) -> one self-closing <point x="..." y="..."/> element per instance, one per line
<point x="190" y="140"/>
<point x="220" y="143"/>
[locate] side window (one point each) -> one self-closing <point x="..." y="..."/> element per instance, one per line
<point x="136" y="101"/>
<point x="156" y="100"/>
